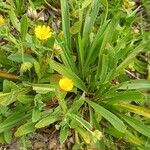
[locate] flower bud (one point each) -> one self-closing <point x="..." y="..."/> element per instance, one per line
<point x="25" y="66"/>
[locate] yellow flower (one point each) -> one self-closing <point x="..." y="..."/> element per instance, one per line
<point x="66" y="84"/>
<point x="128" y="5"/>
<point x="2" y="20"/>
<point x="43" y="32"/>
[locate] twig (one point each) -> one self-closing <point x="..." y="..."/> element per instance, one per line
<point x="128" y="72"/>
<point x="53" y="8"/>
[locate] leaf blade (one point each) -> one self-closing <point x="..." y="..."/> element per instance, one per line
<point x="68" y="73"/>
<point x="114" y="120"/>
<point x="137" y="125"/>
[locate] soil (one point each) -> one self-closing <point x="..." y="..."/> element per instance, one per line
<point x="44" y="139"/>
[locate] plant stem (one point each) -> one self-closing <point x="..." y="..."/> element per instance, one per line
<point x="7" y="75"/>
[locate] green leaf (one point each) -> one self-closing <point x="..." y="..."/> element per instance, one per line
<point x="19" y="5"/>
<point x="68" y="73"/>
<point x="80" y="50"/>
<point x="67" y="48"/>
<point x="15" y="119"/>
<point x="121" y="44"/>
<point x="66" y="23"/>
<point x="64" y="133"/>
<point x="112" y="64"/>
<point x="107" y="37"/>
<point x="130" y="57"/>
<point x="114" y="132"/>
<point x="7" y="98"/>
<point x="37" y="68"/>
<point x="25" y="129"/>
<point x="137" y="125"/>
<point x="2" y="140"/>
<point x="125" y="96"/>
<point x="81" y="121"/>
<point x="114" y="120"/>
<point x="75" y="28"/>
<point x="135" y="109"/>
<point x="77" y="104"/>
<point x="135" y="85"/>
<point x="17" y="57"/>
<point x="84" y="134"/>
<point x="53" y="117"/>
<point x="61" y="100"/>
<point x="129" y="137"/>
<point x="8" y="136"/>
<point x="43" y="88"/>
<point x="92" y="53"/>
<point x="14" y="19"/>
<point x="4" y="60"/>
<point x="46" y="121"/>
<point x="36" y="114"/>
<point x="24" y="27"/>
<point x="104" y="68"/>
<point x="90" y="18"/>
<point x="9" y="85"/>
<point x="25" y="99"/>
<point x="85" y="4"/>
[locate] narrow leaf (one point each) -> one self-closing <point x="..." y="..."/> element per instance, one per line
<point x="135" y="109"/>
<point x="125" y="96"/>
<point x="14" y="20"/>
<point x="48" y="120"/>
<point x="64" y="133"/>
<point x="83" y="122"/>
<point x="25" y="129"/>
<point x="114" y="120"/>
<point x="66" y="23"/>
<point x="8" y="136"/>
<point x="36" y="114"/>
<point x="128" y="60"/>
<point x="24" y="27"/>
<point x="135" y="84"/>
<point x="137" y="125"/>
<point x="68" y="73"/>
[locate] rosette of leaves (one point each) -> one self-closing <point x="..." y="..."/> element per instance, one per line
<point x="105" y="103"/>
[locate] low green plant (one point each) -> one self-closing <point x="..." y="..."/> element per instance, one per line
<point x="105" y="107"/>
